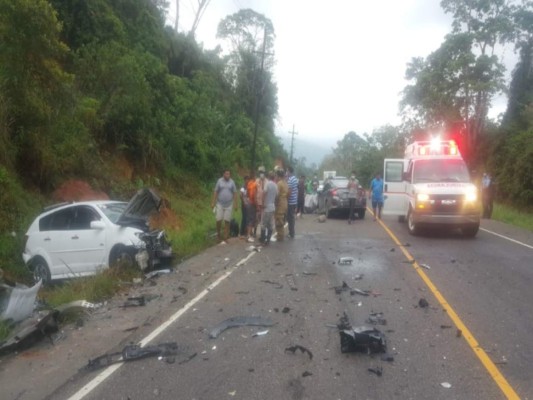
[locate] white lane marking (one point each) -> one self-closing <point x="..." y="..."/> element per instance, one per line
<point x="89" y="387"/>
<point x="508" y="238"/>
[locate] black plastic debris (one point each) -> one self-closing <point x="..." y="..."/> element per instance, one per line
<point x="378" y="371"/>
<point x="423" y="303"/>
<point x="387" y="357"/>
<point x="285" y="310"/>
<point x="363" y="339"/>
<point x="30" y="331"/>
<point x="277" y="284"/>
<point x="445" y="326"/>
<point x="376" y="319"/>
<point x="139" y="301"/>
<point x="392" y="250"/>
<point x="306" y="374"/>
<point x="238" y="321"/>
<point x="344" y="322"/>
<point x="292" y="349"/>
<point x="133" y="352"/>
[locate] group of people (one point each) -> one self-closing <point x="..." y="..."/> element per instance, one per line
<point x="268" y="200"/>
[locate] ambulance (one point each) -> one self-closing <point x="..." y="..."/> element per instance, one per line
<point x="431" y="186"/>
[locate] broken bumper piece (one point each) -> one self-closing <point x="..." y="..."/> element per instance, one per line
<point x="362" y="339"/>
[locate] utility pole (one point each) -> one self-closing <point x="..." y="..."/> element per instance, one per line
<point x="258" y="96"/>
<point x="292" y="142"/>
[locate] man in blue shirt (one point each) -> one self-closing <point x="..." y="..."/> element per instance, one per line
<point x="292" y="182"/>
<point x="376" y="188"/>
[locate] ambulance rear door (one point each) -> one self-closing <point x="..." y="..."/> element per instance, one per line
<point x="395" y="188"/>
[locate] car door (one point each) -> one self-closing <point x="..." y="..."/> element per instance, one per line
<point x="87" y="246"/>
<point x="394" y="194"/>
<point x="54" y="233"/>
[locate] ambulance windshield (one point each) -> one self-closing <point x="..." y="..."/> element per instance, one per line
<point x="443" y="170"/>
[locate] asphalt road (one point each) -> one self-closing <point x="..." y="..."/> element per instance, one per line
<point x="474" y="337"/>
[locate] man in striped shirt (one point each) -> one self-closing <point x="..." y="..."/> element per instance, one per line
<point x="292" y="182"/>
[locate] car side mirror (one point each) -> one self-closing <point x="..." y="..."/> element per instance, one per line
<point x="97" y="225"/>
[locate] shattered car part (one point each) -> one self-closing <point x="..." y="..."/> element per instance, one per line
<point x="291" y="282"/>
<point x="79" y="304"/>
<point x="157" y="272"/>
<point x="378" y="371"/>
<point x="363" y="339"/>
<point x="17" y="303"/>
<point x="31" y="330"/>
<point x="239" y="321"/>
<point x="303" y="349"/>
<point x="278" y="285"/>
<point x="425" y="266"/>
<point x="376" y="319"/>
<point x="359" y="291"/>
<point x="133" y="352"/>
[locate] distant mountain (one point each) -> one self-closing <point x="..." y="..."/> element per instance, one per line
<point x="314" y="150"/>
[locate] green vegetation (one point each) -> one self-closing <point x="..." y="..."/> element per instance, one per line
<point x="510" y="215"/>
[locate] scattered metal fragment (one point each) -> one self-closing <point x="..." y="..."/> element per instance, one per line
<point x="344" y="322"/>
<point x="157" y="272"/>
<point x="345" y="261"/>
<point x="425" y="266"/>
<point x="238" y="321"/>
<point x="291" y="282"/>
<point x="278" y="285"/>
<point x="446" y="385"/>
<point x="340" y="289"/>
<point x="376" y="319"/>
<point x="306" y="374"/>
<point x="133" y="352"/>
<point x="260" y="333"/>
<point x="17" y="303"/>
<point x="303" y="349"/>
<point x="359" y="291"/>
<point x="423" y="303"/>
<point x="363" y="339"/>
<point x="378" y="371"/>
<point x="133" y="328"/>
<point x="308" y="273"/>
<point x="188" y="358"/>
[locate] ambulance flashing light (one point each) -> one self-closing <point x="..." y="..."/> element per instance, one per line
<point x="436" y="147"/>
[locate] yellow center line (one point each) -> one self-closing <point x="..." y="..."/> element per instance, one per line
<point x="493" y="371"/>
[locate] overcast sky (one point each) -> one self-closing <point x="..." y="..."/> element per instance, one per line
<point x="340" y="64"/>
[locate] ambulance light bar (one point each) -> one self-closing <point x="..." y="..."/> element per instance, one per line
<point x="436" y="147"/>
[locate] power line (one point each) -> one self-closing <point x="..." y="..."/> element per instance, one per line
<point x="292" y="142"/>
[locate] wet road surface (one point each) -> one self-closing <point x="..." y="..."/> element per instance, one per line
<point x="486" y="281"/>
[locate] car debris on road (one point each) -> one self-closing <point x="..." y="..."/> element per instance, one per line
<point x="304" y="350"/>
<point x="239" y="321"/>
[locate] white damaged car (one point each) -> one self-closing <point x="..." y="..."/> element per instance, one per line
<point x="79" y="239"/>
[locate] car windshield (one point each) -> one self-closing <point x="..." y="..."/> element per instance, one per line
<point x="339" y="183"/>
<point x="113" y="210"/>
<point x="440" y="171"/>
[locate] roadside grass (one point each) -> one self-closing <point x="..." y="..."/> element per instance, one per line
<point x="510" y="215"/>
<point x="94" y="289"/>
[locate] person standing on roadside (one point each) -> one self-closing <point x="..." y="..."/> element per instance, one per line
<point x="244" y="199"/>
<point x="353" y="185"/>
<point x="269" y="203"/>
<point x="224" y="197"/>
<point x="281" y="205"/>
<point x="292" y="182"/>
<point x="251" y="195"/>
<point x="487" y="195"/>
<point x="260" y="184"/>
<point x="376" y="188"/>
<point x="301" y="196"/>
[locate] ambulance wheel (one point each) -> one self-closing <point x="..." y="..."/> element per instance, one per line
<point x="412" y="227"/>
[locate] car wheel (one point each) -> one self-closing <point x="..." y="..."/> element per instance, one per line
<point x="41" y="271"/>
<point x="121" y="256"/>
<point x="361" y="213"/>
<point x="412" y="227"/>
<point x="470" y="230"/>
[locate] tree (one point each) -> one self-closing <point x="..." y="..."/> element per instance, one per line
<point x="452" y="89"/>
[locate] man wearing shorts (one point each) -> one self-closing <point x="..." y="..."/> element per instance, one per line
<point x="224" y="196"/>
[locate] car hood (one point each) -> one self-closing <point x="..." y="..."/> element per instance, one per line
<point x="143" y="204"/>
